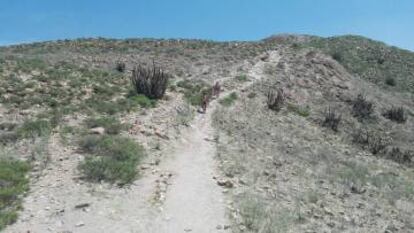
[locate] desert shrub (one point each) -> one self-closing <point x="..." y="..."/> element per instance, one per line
<point x="7" y="132"/>
<point x="353" y="174"/>
<point x="151" y="82"/>
<point x="241" y="78"/>
<point x="259" y="216"/>
<point x="112" y="158"/>
<point x="390" y="81"/>
<point x="34" y="128"/>
<point x="194" y="91"/>
<point x="399" y="156"/>
<point x="337" y="56"/>
<point x="251" y="95"/>
<point x="374" y="141"/>
<point x="110" y="107"/>
<point x="300" y="110"/>
<point x="103" y="90"/>
<point x="275" y="100"/>
<point x="332" y="119"/>
<point x="13" y="183"/>
<point x="120" y="67"/>
<point x="362" y="108"/>
<point x="143" y="101"/>
<point x="396" y="114"/>
<point x="229" y="100"/>
<point x="111" y="124"/>
<point x="8" y="137"/>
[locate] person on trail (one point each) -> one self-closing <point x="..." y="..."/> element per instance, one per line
<point x="204" y="103"/>
<point x="216" y="90"/>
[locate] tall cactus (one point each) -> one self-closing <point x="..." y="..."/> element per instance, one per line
<point x="151" y="82"/>
<point x="276" y="100"/>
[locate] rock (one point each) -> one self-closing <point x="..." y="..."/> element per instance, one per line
<point x="225" y="183"/>
<point x="328" y="211"/>
<point x="219" y="227"/>
<point x="97" y="130"/>
<point x="81" y="206"/>
<point x="161" y="135"/>
<point x="79" y="224"/>
<point x="242" y="182"/>
<point x="265" y="57"/>
<point x="357" y="190"/>
<point x="226" y="227"/>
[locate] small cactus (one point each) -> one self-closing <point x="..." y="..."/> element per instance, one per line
<point x="276" y="100"/>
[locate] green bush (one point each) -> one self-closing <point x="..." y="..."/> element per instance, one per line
<point x="112" y="158"/>
<point x="241" y="78"/>
<point x="337" y="56"/>
<point x="143" y="101"/>
<point x="390" y="82"/>
<point x="229" y="100"/>
<point x="13" y="183"/>
<point x="34" y="128"/>
<point x="301" y="111"/>
<point x="194" y="91"/>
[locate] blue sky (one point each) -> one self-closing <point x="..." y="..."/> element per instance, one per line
<point x="391" y="21"/>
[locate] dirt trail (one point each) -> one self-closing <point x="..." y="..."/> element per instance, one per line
<point x="193" y="201"/>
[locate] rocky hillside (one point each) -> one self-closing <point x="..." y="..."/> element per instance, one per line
<point x="311" y="135"/>
<point x="387" y="66"/>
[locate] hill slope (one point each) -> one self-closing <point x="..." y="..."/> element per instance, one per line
<point x="369" y="59"/>
<point x="67" y="106"/>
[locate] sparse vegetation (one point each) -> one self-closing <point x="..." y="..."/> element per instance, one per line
<point x="374" y="141"/>
<point x="229" y="100"/>
<point x="361" y="56"/>
<point x="332" y="119"/>
<point x="241" y="78"/>
<point x="110" y="124"/>
<point x="353" y="174"/>
<point x="151" y="82"/>
<point x="337" y="56"/>
<point x="112" y="158"/>
<point x="390" y="82"/>
<point x="362" y="108"/>
<point x="403" y="157"/>
<point x="13" y="183"/>
<point x="303" y="111"/>
<point x="396" y="114"/>
<point x="184" y="114"/>
<point x="143" y="101"/>
<point x="120" y="67"/>
<point x="194" y="91"/>
<point x="47" y="90"/>
<point x="34" y="128"/>
<point x="258" y="216"/>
